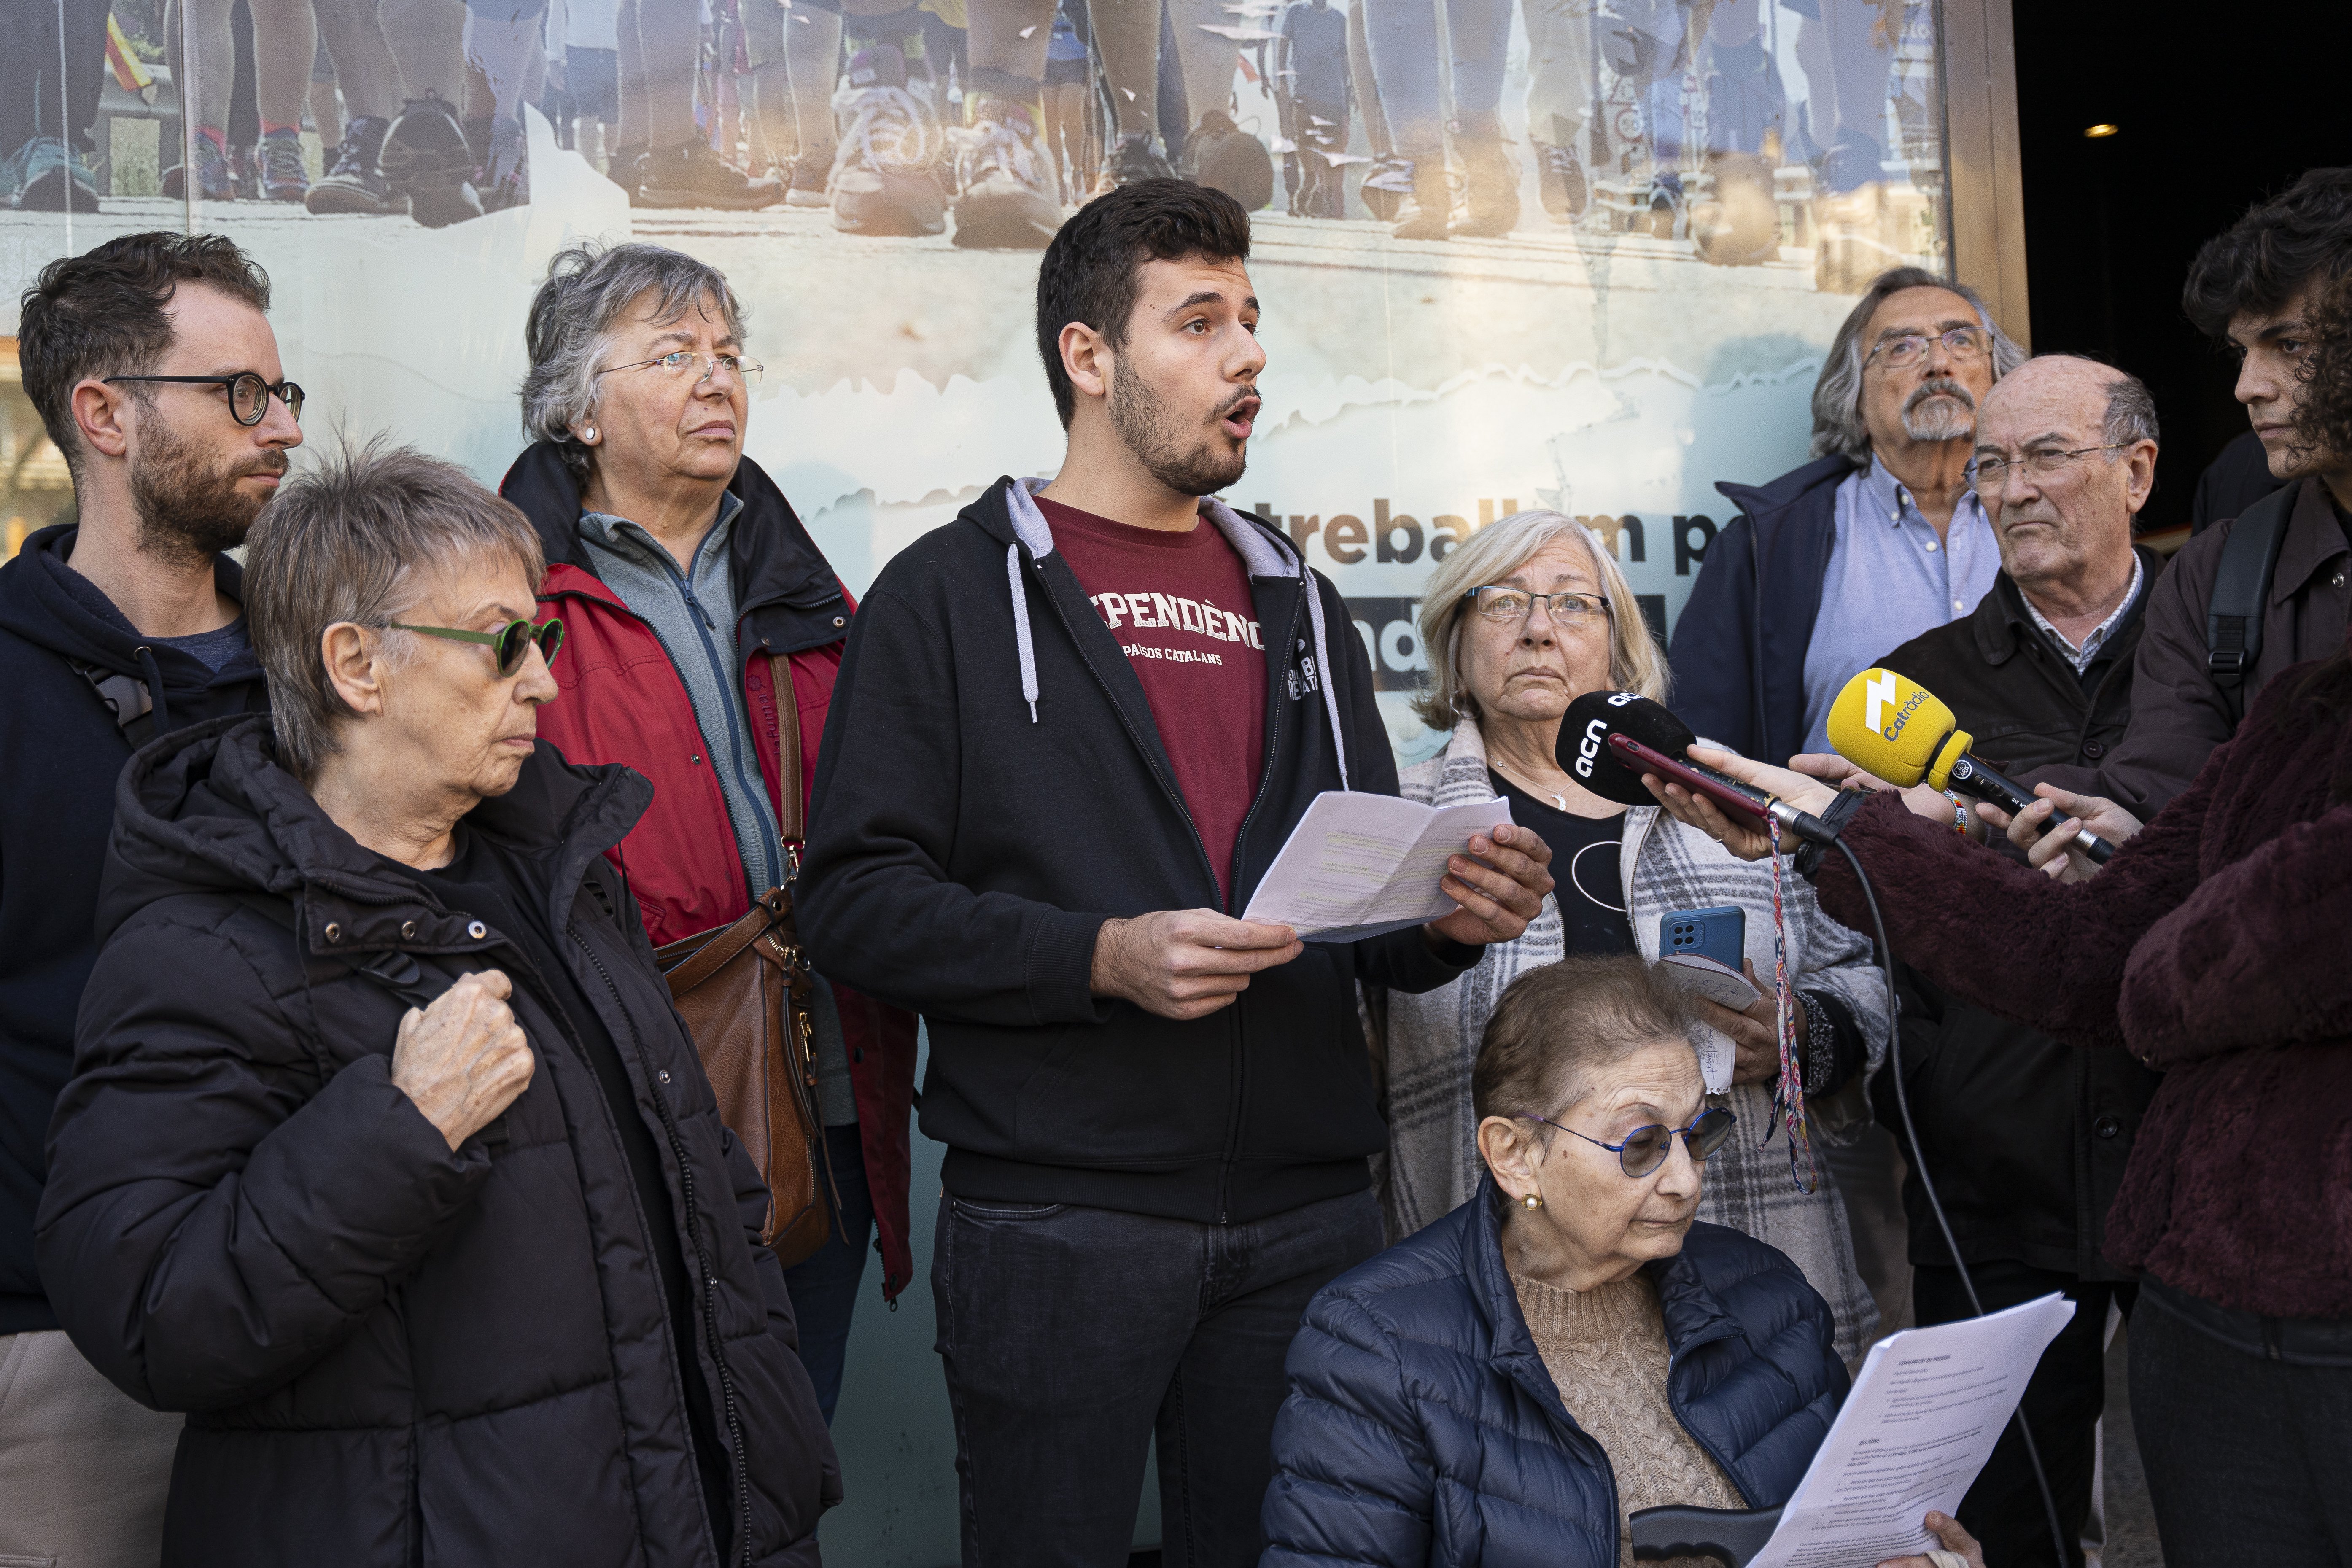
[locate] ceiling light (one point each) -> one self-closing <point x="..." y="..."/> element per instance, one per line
<point x="2100" y="129"/>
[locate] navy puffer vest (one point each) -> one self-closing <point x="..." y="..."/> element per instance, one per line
<point x="1421" y="1427"/>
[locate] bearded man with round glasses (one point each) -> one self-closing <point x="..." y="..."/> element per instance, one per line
<point x="157" y="377"/>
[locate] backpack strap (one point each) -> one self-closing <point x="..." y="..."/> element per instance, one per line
<point x="127" y="698"/>
<point x="398" y="972"/>
<point x="2241" y="587"/>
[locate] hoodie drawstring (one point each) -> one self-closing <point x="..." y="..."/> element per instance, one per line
<point x="154" y="674"/>
<point x="1323" y="671"/>
<point x="1021" y="630"/>
<point x="1262" y="555"/>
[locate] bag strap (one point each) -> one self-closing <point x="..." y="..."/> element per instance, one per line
<point x="717" y="949"/>
<point x="2241" y="587"/>
<point x="398" y="972"/>
<point x="789" y="823"/>
<point x="126" y="697"/>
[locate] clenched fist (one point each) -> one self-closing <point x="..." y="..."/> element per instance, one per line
<point x="463" y="1059"/>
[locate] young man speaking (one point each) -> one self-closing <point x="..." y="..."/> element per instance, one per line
<point x="1072" y="730"/>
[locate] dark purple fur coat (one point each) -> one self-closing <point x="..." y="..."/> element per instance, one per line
<point x="2214" y="948"/>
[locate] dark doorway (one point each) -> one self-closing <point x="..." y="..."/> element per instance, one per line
<point x="2215" y="106"/>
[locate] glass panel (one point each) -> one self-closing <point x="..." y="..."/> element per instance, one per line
<point x="1584" y="255"/>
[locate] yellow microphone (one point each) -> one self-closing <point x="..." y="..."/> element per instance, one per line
<point x="1899" y="730"/>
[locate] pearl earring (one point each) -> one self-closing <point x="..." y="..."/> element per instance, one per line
<point x="1533" y="1201"/>
<point x="588" y="434"/>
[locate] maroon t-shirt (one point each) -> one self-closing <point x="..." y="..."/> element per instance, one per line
<point x="1180" y="606"/>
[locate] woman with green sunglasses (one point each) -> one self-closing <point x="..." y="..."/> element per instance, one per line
<point x="512" y="640"/>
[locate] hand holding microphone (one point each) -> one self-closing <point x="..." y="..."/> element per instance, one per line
<point x="2047" y="844"/>
<point x="1897" y="729"/>
<point x="1625" y="747"/>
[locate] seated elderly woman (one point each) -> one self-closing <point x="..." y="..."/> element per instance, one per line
<point x="1526" y="616"/>
<point x="1572" y="1345"/>
<point x="386" y="1157"/>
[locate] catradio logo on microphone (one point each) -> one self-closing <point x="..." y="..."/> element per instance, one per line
<point x="1881" y="691"/>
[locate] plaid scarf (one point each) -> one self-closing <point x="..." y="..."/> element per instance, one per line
<point x="1426" y="1044"/>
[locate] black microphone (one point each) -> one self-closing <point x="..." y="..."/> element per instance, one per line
<point x="1610" y="739"/>
<point x="1971" y="776"/>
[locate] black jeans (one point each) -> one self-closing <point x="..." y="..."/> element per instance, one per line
<point x="823" y="1285"/>
<point x="2245" y="1426"/>
<point x="1071" y="1335"/>
<point x="2062" y="1407"/>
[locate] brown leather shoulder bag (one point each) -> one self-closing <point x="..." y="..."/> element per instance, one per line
<point x="748" y="1000"/>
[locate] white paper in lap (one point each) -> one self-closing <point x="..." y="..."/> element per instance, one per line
<point x="1920" y="1422"/>
<point x="1359" y="864"/>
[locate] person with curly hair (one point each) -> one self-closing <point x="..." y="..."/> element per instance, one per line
<point x="2270" y="290"/>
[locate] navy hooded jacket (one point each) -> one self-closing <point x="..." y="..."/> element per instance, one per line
<point x="1738" y="652"/>
<point x="1421" y="1427"/>
<point x="60" y="753"/>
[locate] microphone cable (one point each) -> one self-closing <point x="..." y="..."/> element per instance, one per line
<point x="1928" y="1184"/>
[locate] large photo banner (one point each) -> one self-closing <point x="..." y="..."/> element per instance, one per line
<point x="1581" y="255"/>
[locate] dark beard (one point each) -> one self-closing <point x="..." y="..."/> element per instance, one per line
<point x="1153" y="433"/>
<point x="190" y="512"/>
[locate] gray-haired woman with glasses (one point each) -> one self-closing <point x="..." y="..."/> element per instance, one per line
<point x="1526" y="616"/>
<point x="705" y="628"/>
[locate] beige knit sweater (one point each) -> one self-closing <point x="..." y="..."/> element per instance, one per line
<point x="1606" y="1351"/>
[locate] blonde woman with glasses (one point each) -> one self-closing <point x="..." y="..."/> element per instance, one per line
<point x="1528" y="616"/>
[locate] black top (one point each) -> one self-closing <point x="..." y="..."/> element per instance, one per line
<point x="963" y="856"/>
<point x="1593" y="901"/>
<point x="61" y="754"/>
<point x="510" y="888"/>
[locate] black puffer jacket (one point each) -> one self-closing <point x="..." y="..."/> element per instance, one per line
<point x="392" y="1353"/>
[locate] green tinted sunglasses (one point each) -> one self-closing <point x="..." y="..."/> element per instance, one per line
<point x="512" y="640"/>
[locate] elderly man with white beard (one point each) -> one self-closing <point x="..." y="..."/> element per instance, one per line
<point x="1875" y="540"/>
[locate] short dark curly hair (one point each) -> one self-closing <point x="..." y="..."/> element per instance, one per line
<point x="2323" y="414"/>
<point x="2262" y="262"/>
<point x="104" y="312"/>
<point x="1092" y="272"/>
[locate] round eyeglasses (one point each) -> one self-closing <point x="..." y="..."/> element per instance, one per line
<point x="512" y="640"/>
<point x="1644" y="1149"/>
<point x="248" y="395"/>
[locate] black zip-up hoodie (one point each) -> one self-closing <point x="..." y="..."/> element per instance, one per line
<point x="60" y="753"/>
<point x="992" y="787"/>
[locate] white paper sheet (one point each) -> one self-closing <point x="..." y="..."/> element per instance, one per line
<point x="1703" y="977"/>
<point x="1919" y="1425"/>
<point x="1357" y="864"/>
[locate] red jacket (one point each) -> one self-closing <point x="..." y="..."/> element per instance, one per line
<point x="624" y="702"/>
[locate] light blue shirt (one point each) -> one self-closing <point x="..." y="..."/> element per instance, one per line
<point x="693" y="615"/>
<point x="1889" y="579"/>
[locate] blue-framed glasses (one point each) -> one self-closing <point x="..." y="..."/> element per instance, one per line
<point x="1644" y="1148"/>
